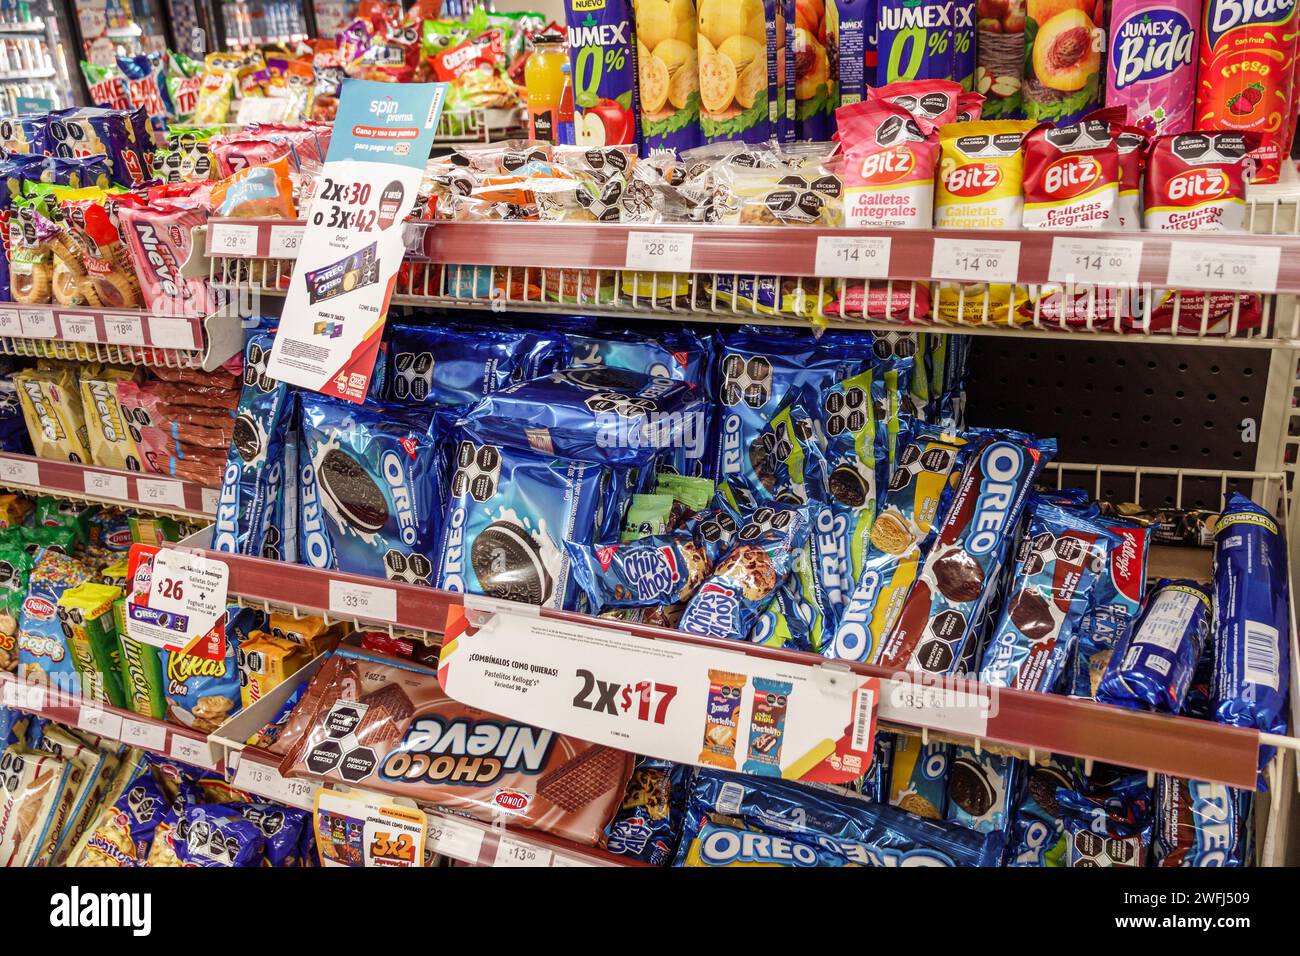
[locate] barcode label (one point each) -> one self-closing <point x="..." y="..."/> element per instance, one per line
<point x="1261" y="654"/>
<point x="730" y="797"/>
<point x="1159" y="665"/>
<point x="862" y="721"/>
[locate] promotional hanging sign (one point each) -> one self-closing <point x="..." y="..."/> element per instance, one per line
<point x="681" y="702"/>
<point x="353" y="244"/>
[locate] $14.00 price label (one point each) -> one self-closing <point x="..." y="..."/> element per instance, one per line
<point x="853" y="257"/>
<point x="972" y="259"/>
<point x="1224" y="266"/>
<point x="1108" y="262"/>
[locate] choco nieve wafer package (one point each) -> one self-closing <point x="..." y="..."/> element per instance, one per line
<point x="384" y="724"/>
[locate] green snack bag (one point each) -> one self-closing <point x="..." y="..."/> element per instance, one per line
<point x="646" y="515"/>
<point x="142" y="670"/>
<point x="86" y="616"/>
<point x="693" y="493"/>
<point x="55" y="513"/>
<point x="154" y="529"/>
<point x="15" y="570"/>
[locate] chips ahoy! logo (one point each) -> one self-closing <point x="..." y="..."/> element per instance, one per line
<point x="1151" y="45"/>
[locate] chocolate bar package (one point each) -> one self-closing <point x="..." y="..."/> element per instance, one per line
<point x="594" y="413"/>
<point x="1153" y="668"/>
<point x="370" y="489"/>
<point x="254" y="476"/>
<point x="359" y="269"/>
<point x="1201" y="824"/>
<point x="1061" y="561"/>
<point x="384" y="724"/>
<point x="855" y="831"/>
<point x="940" y="617"/>
<point x="1252" y="623"/>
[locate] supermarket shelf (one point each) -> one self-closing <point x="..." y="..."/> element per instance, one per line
<point x="36" y="26"/>
<point x="478" y="125"/>
<point x="170" y="740"/>
<point x="34" y="75"/>
<point x="130" y="489"/>
<point x="123" y="336"/>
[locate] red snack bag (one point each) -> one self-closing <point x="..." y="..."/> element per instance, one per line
<point x="970" y="107"/>
<point x="1072" y="176"/>
<point x="1196" y="182"/>
<point x="933" y="100"/>
<point x="1245" y="73"/>
<point x="161" y="238"/>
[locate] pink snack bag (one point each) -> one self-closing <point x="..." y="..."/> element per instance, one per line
<point x="160" y="237"/>
<point x="1152" y="68"/>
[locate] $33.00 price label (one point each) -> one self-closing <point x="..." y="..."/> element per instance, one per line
<point x="644" y="700"/>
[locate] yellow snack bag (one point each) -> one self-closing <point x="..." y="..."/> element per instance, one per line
<point x="266" y="662"/>
<point x="51" y="405"/>
<point x="108" y="437"/>
<point x="981" y="169"/>
<point x="221" y="71"/>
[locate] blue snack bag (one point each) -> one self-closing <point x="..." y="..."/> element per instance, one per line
<point x="253" y="482"/>
<point x="918" y="777"/>
<point x="1116" y="604"/>
<point x="44" y="654"/>
<point x="744" y="582"/>
<point x="202" y="689"/>
<point x="1037" y="828"/>
<point x="1252" y="623"/>
<point x="1153" y="668"/>
<point x="509" y="515"/>
<point x="217" y="835"/>
<point x="594" y="413"/>
<point x="983" y="789"/>
<point x="868" y="834"/>
<point x="282" y="828"/>
<point x="1199" y="823"/>
<point x="1106" y="818"/>
<point x="649" y="572"/>
<point x="1061" y="561"/>
<point x="369" y="490"/>
<point x="648" y="824"/>
<point x="454" y="365"/>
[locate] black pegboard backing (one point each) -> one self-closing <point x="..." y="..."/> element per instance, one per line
<point x="1126" y="404"/>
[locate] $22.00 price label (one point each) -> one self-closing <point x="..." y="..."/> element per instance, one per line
<point x="662" y="698"/>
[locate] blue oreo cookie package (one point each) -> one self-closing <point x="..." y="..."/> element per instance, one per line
<point x="252" y="486"/>
<point x="867" y="834"/>
<point x="370" y="489"/>
<point x="595" y="413"/>
<point x="1201" y="824"/>
<point x="1061" y="561"/>
<point x="456" y="365"/>
<point x="678" y="354"/>
<point x="1152" y="669"/>
<point x="1253" y="629"/>
<point x="1037" y="829"/>
<point x="510" y="513"/>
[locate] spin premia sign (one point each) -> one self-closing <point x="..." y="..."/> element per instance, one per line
<point x="353" y="245"/>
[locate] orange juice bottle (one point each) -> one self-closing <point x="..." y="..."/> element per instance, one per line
<point x="544" y="81"/>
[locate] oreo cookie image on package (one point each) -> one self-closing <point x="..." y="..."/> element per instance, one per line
<point x="369" y="490"/>
<point x="509" y="515"/>
<point x="253" y="480"/>
<point x="595" y="413"/>
<point x="458" y="365"/>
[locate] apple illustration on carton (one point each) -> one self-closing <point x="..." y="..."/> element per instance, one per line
<point x="605" y="124"/>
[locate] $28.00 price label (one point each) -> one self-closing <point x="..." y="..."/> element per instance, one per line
<point x="659" y="251"/>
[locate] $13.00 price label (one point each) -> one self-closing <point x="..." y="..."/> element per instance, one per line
<point x="266" y="781"/>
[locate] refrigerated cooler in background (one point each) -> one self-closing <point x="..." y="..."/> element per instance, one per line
<point x="37" y="57"/>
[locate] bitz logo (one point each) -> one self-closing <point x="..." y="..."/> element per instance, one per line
<point x="75" y="909"/>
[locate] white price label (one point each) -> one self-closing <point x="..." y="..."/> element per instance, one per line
<point x="100" y="484"/>
<point x="976" y="260"/>
<point x="1108" y="262"/>
<point x="101" y="722"/>
<point x="10" y="323"/>
<point x="363" y="600"/>
<point x="19" y="471"/>
<point x="159" y="492"/>
<point x="124" y="329"/>
<point x="1195" y="265"/>
<point x="512" y="852"/>
<point x="169" y="333"/>
<point x="853" y="257"/>
<point x="659" y="251"/>
<point x="78" y="328"/>
<point x="461" y="841"/>
<point x="137" y="733"/>
<point x="191" y="751"/>
<point x="38" y="323"/>
<point x="266" y="781"/>
<point x="24" y="696"/>
<point x="569" y="861"/>
<point x="938" y="708"/>
<point x="285" y="241"/>
<point x="233" y="239"/>
<point x="210" y="497"/>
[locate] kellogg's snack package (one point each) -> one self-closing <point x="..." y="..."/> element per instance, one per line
<point x="737" y="44"/>
<point x="669" y="71"/>
<point x="1064" y="40"/>
<point x="1151" y="67"/>
<point x="1245" y="74"/>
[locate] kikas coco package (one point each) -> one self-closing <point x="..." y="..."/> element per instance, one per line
<point x="1245" y="74"/>
<point x="604" y="72"/>
<point x="1151" y="65"/>
<point x="737" y="44"/>
<point x="1064" y="42"/>
<point x="668" y="68"/>
<point x="1196" y="182"/>
<point x="981" y="171"/>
